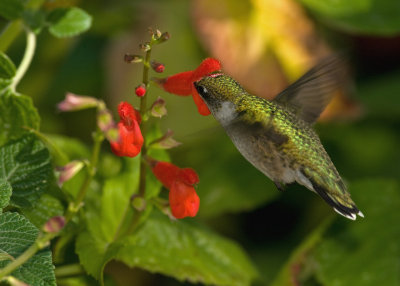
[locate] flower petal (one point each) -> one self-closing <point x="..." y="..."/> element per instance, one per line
<point x="206" y="67"/>
<point x="179" y="84"/>
<point x="128" y="114"/>
<point x="166" y="173"/>
<point x="188" y="176"/>
<point x="183" y="200"/>
<point x="201" y="105"/>
<point x="130" y="140"/>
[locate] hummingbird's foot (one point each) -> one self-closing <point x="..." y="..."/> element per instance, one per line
<point x="280" y="186"/>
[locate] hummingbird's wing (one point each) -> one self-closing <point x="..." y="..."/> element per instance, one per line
<point x="311" y="93"/>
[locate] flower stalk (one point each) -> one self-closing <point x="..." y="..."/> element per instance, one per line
<point x="26" y="60"/>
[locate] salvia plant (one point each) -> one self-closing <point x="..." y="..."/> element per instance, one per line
<point x="52" y="201"/>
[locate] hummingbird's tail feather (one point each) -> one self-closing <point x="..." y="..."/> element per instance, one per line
<point x="341" y="204"/>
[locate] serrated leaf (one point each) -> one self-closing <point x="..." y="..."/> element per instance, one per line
<point x="363" y="17"/>
<point x="16" y="235"/>
<point x="16" y="112"/>
<point x="11" y="9"/>
<point x="5" y="193"/>
<point x="43" y="209"/>
<point x="186" y="252"/>
<point x="67" y="22"/>
<point x="367" y="251"/>
<point x="7" y="70"/>
<point x="25" y="165"/>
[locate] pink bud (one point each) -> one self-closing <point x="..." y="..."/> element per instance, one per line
<point x="74" y="102"/>
<point x="54" y="224"/>
<point x="68" y="171"/>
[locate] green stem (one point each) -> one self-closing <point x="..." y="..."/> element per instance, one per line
<point x="69" y="270"/>
<point x="143" y="110"/>
<point x="92" y="166"/>
<point x="41" y="242"/>
<point x="26" y="60"/>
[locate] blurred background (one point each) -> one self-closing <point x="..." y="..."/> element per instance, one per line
<point x="265" y="45"/>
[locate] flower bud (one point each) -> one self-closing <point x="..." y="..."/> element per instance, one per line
<point x="128" y="58"/>
<point x="157" y="67"/>
<point x="140" y="90"/>
<point x="158" y="108"/>
<point x="105" y="120"/>
<point x="138" y="202"/>
<point x="73" y="102"/>
<point x="145" y="47"/>
<point x="54" y="224"/>
<point x="68" y="171"/>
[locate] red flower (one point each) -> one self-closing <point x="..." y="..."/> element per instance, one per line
<point x="183" y="199"/>
<point x="130" y="140"/>
<point x="182" y="83"/>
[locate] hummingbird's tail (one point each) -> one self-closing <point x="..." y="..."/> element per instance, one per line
<point x="341" y="203"/>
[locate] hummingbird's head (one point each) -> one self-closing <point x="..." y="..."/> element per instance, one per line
<point x="218" y="88"/>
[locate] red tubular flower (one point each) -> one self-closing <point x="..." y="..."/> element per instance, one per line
<point x="130" y="140"/>
<point x="182" y="83"/>
<point x="183" y="199"/>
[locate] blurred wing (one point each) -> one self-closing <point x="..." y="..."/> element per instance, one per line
<point x="311" y="93"/>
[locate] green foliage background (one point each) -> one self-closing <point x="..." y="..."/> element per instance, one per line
<point x="246" y="231"/>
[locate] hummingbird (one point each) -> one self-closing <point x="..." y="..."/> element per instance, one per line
<point x="276" y="136"/>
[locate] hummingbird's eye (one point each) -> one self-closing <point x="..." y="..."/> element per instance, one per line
<point x="202" y="90"/>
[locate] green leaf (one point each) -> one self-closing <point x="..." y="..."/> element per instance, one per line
<point x="16" y="112"/>
<point x="43" y="209"/>
<point x="34" y="19"/>
<point x="25" y="165"/>
<point x="360" y="16"/>
<point x="67" y="22"/>
<point x="11" y="9"/>
<point x="186" y="252"/>
<point x="5" y="193"/>
<point x="72" y="148"/>
<point x="7" y="71"/>
<point x="160" y="245"/>
<point x="367" y="251"/>
<point x="16" y="235"/>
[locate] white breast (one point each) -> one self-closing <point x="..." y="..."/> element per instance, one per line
<point x="226" y="113"/>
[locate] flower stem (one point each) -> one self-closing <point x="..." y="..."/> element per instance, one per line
<point x="135" y="217"/>
<point x="143" y="110"/>
<point x="69" y="270"/>
<point x="41" y="242"/>
<point x="26" y="60"/>
<point x="75" y="205"/>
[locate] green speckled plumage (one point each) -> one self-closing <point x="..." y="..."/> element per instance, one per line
<point x="277" y="136"/>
